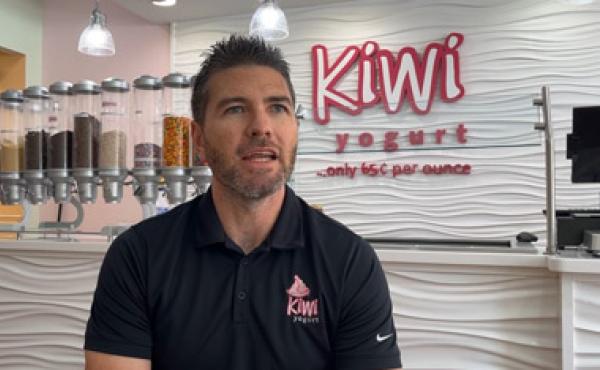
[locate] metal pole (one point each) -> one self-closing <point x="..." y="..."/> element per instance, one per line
<point x="546" y="125"/>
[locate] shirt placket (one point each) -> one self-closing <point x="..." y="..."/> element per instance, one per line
<point x="241" y="293"/>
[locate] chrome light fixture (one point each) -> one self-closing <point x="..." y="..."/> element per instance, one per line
<point x="96" y="39"/>
<point x="577" y="2"/>
<point x="269" y="22"/>
<point x="164" y="2"/>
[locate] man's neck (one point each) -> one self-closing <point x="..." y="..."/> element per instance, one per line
<point x="247" y="222"/>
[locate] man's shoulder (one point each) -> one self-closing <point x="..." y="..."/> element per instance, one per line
<point x="328" y="232"/>
<point x="157" y="229"/>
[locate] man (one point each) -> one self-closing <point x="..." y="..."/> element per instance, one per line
<point x="246" y="276"/>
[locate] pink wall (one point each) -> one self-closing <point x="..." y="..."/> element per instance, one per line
<point x="141" y="48"/>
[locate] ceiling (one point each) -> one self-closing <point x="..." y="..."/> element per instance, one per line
<point x="196" y="9"/>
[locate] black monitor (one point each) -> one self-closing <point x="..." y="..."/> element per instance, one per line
<point x="583" y="145"/>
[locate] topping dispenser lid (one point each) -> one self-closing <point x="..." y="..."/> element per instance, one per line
<point x="87" y="87"/>
<point x="13" y="96"/>
<point x="115" y="85"/>
<point x="36" y="92"/>
<point x="146" y="82"/>
<point x="61" y="88"/>
<point x="176" y="80"/>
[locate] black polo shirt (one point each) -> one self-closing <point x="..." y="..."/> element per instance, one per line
<point x="175" y="289"/>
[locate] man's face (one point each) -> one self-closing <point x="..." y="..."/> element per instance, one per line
<point x="249" y="134"/>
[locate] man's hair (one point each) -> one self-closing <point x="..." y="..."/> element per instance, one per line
<point x="234" y="52"/>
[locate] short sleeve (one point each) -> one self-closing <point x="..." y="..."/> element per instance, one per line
<point x="118" y="322"/>
<point x="366" y="337"/>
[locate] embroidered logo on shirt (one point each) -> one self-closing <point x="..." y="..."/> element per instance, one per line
<point x="381" y="338"/>
<point x="299" y="307"/>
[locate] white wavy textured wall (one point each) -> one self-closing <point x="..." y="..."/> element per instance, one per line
<point x="475" y="318"/>
<point x="44" y="307"/>
<point x="510" y="50"/>
<point x="586" y="323"/>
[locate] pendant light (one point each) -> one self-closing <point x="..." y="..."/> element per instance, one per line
<point x="164" y="2"/>
<point x="96" y="39"/>
<point x="269" y="22"/>
<point x="577" y="2"/>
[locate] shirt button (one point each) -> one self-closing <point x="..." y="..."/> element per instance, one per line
<point x="242" y="295"/>
<point x="245" y="261"/>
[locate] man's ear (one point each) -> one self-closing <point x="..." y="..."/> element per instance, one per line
<point x="198" y="139"/>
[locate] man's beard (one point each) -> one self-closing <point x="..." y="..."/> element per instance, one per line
<point x="256" y="185"/>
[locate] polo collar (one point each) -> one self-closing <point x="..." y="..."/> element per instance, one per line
<point x="287" y="232"/>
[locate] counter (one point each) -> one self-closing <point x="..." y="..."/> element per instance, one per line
<point x="467" y="309"/>
<point x="483" y="310"/>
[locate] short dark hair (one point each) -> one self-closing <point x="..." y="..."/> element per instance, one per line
<point x="236" y="51"/>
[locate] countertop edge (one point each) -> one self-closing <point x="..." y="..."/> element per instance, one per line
<point x="531" y="260"/>
<point x="574" y="265"/>
<point x="469" y="258"/>
<point x="34" y="245"/>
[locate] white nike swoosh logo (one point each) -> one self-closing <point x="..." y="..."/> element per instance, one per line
<point x="382" y="338"/>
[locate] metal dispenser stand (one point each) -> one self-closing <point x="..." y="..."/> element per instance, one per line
<point x="12" y="185"/>
<point x="201" y="176"/>
<point x="115" y="116"/>
<point x="36" y="111"/>
<point x="145" y="133"/>
<point x="175" y="171"/>
<point x="545" y="124"/>
<point x="66" y="225"/>
<point x="87" y="104"/>
<point x="61" y="141"/>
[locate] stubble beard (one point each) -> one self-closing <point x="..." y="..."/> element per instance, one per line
<point x="256" y="186"/>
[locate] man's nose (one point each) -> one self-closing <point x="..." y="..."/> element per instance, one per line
<point x="261" y="123"/>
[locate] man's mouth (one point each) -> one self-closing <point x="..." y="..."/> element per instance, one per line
<point x="260" y="155"/>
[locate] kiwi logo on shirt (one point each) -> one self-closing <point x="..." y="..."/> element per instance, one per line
<point x="299" y="307"/>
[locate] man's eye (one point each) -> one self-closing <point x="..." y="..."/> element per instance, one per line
<point x="234" y="109"/>
<point x="279" y="108"/>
